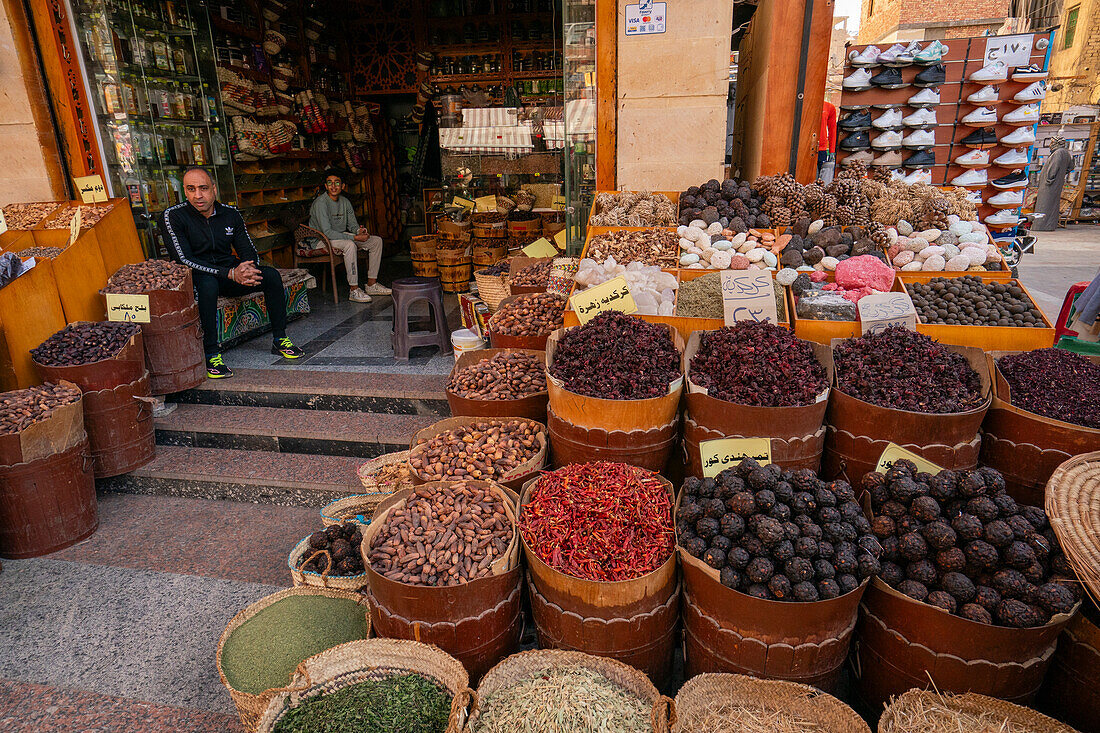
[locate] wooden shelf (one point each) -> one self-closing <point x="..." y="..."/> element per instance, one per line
<point x="551" y="74"/>
<point x="235" y="29"/>
<point x="492" y="78"/>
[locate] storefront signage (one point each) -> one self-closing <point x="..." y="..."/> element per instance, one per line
<point x="131" y="308"/>
<point x="645" y="18"/>
<point x="726" y="452"/>
<point x="541" y="247"/>
<point x="1012" y="50"/>
<point x="74" y="225"/>
<point x="464" y="203"/>
<point x="748" y="295"/>
<point x="486" y="203"/>
<point x="895" y="452"/>
<point x="91" y="189"/>
<point x="880" y="311"/>
<point x="613" y="295"/>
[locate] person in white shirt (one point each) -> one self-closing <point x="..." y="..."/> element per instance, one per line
<point x="333" y="215"/>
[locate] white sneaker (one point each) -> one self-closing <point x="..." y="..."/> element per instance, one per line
<point x="933" y="53"/>
<point x="971" y="178"/>
<point x="1026" y="115"/>
<point x="1014" y="158"/>
<point x="1003" y="218"/>
<point x="923" y="175"/>
<point x="974" y="159"/>
<point x="887" y="141"/>
<point x="926" y="97"/>
<point x="377" y="289"/>
<point x="863" y="156"/>
<point x="890" y="159"/>
<point x="897" y="175"/>
<point x="1021" y="136"/>
<point x="919" y="139"/>
<point x="889" y="120"/>
<point x="1007" y="199"/>
<point x="1033" y="92"/>
<point x="869" y="56"/>
<point x="995" y="73"/>
<point x="896" y="55"/>
<point x="1031" y="72"/>
<point x="358" y="296"/>
<point x="974" y="197"/>
<point x="981" y="117"/>
<point x="859" y="80"/>
<point x="921" y="118"/>
<point x="984" y="96"/>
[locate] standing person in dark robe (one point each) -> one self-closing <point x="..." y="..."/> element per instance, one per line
<point x="1051" y="180"/>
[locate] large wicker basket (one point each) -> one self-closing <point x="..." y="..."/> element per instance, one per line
<point x="1073" y="505"/>
<point x="926" y="711"/>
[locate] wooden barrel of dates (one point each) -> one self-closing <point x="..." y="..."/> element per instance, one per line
<point x="123" y="368"/>
<point x="478" y="622"/>
<point x="120" y="427"/>
<point x="422" y="249"/>
<point x="489" y="226"/>
<point x="532" y="406"/>
<point x="648" y="449"/>
<point x="1027" y="447"/>
<point x="858" y="432"/>
<point x="512" y="480"/>
<point x="488" y="252"/>
<point x="632" y="621"/>
<point x="1071" y="690"/>
<point x="455" y="269"/>
<point x="527" y="230"/>
<point x="499" y="340"/>
<point x="447" y="230"/>
<point x="902" y="643"/>
<point x="47" y="488"/>
<point x="552" y="223"/>
<point x="173" y="350"/>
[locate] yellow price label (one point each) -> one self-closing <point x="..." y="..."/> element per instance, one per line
<point x="561" y="239"/>
<point x="74" y="225"/>
<point x="464" y="203"/>
<point x="895" y="452"/>
<point x="91" y="189"/>
<point x="541" y="247"/>
<point x="724" y="453"/>
<point x="590" y="78"/>
<point x="559" y="203"/>
<point x="129" y="308"/>
<point x="611" y="295"/>
<point x="486" y="203"/>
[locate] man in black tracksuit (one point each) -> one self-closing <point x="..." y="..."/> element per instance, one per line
<point x="211" y="239"/>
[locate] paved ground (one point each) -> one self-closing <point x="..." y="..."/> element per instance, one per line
<point x="1062" y="258"/>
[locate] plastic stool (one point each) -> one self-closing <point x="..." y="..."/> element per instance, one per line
<point x="406" y="291"/>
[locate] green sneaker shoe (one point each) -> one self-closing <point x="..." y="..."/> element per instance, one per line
<point x="216" y="368"/>
<point x="285" y="348"/>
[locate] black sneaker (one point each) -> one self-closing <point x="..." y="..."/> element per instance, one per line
<point x="980" y="138"/>
<point x="856" y="141"/>
<point x="889" y="78"/>
<point x="216" y="368"/>
<point x="1016" y="179"/>
<point x="924" y="158"/>
<point x="930" y="76"/>
<point x="285" y="348"/>
<point x="856" y="122"/>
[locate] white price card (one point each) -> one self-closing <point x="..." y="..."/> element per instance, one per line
<point x="880" y="311"/>
<point x="1012" y="50"/>
<point x="748" y="295"/>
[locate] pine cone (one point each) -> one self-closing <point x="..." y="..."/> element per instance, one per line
<point x="879" y="235"/>
<point x="845" y="215"/>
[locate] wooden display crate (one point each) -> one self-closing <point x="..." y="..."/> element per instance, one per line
<point x="823" y="332"/>
<point x="31" y="312"/>
<point x="674" y="197"/>
<point x="994" y="338"/>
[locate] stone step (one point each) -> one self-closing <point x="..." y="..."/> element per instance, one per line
<point x="258" y="476"/>
<point x="289" y="430"/>
<point x="394" y="394"/>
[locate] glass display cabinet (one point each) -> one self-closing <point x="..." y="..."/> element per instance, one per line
<point x="579" y="72"/>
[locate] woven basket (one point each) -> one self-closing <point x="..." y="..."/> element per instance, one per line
<point x="1073" y="505"/>
<point x="251" y="707"/>
<point x="372" y="659"/>
<point x="526" y="664"/>
<point x="360" y="507"/>
<point x="998" y="715"/>
<point x="820" y="711"/>
<point x="492" y="289"/>
<point x="303" y="553"/>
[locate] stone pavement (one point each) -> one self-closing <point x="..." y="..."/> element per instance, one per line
<point x="1062" y="257"/>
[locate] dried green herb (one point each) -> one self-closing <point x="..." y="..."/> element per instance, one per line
<point x="408" y="703"/>
<point x="702" y="298"/>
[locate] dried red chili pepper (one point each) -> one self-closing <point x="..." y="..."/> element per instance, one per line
<point x="600" y="521"/>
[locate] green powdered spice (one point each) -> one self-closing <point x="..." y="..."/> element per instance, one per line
<point x="262" y="652"/>
<point x="409" y="703"/>
<point x="564" y="700"/>
<point x="702" y="298"/>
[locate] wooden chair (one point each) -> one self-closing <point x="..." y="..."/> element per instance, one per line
<point x="318" y="257"/>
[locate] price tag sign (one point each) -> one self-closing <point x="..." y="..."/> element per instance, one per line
<point x="725" y="452"/>
<point x="748" y="295"/>
<point x="541" y="247"/>
<point x="1012" y="50"/>
<point x="486" y="203"/>
<point x="464" y="203"/>
<point x="611" y="295"/>
<point x="91" y="189"/>
<point x="129" y="308"/>
<point x="561" y="239"/>
<point x="3" y="222"/>
<point x="559" y="203"/>
<point x="895" y="452"/>
<point x="74" y="225"/>
<point x="880" y="311"/>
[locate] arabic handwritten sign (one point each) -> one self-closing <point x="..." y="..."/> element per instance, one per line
<point x="74" y="225"/>
<point x="486" y="203"/>
<point x="1012" y="50"/>
<point x="130" y="308"/>
<point x="611" y="295"/>
<point x="880" y="311"/>
<point x="541" y="247"/>
<point x="725" y="452"/>
<point x="748" y="295"/>
<point x="91" y="189"/>
<point x="895" y="452"/>
<point x="464" y="203"/>
<point x="559" y="203"/>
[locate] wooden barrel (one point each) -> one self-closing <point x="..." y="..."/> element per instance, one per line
<point x="648" y="449"/>
<point x="1071" y="690"/>
<point x="790" y="453"/>
<point x="123" y="368"/>
<point x="120" y="427"/>
<point x="515" y="479"/>
<point x="173" y="350"/>
<point x="488" y="252"/>
<point x="422" y="249"/>
<point x="532" y="406"/>
<point x="552" y="223"/>
<point x="903" y="643"/>
<point x="455" y="269"/>
<point x="859" y="431"/>
<point x="528" y="230"/>
<point x="482" y="228"/>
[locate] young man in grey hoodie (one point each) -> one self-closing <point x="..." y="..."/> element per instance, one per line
<point x="333" y="215"/>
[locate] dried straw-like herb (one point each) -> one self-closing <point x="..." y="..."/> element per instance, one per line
<point x="409" y="703"/>
<point x="934" y="712"/>
<point x="729" y="716"/>
<point x="563" y="700"/>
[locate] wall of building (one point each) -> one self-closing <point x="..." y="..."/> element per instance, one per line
<point x="1075" y="71"/>
<point x="902" y="20"/>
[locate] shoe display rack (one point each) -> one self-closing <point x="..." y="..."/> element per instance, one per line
<point x="981" y="124"/>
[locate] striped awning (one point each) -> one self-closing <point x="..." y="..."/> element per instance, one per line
<point x="580" y="119"/>
<point x="513" y="139"/>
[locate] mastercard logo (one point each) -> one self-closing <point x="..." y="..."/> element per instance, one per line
<point x="646" y="19"/>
